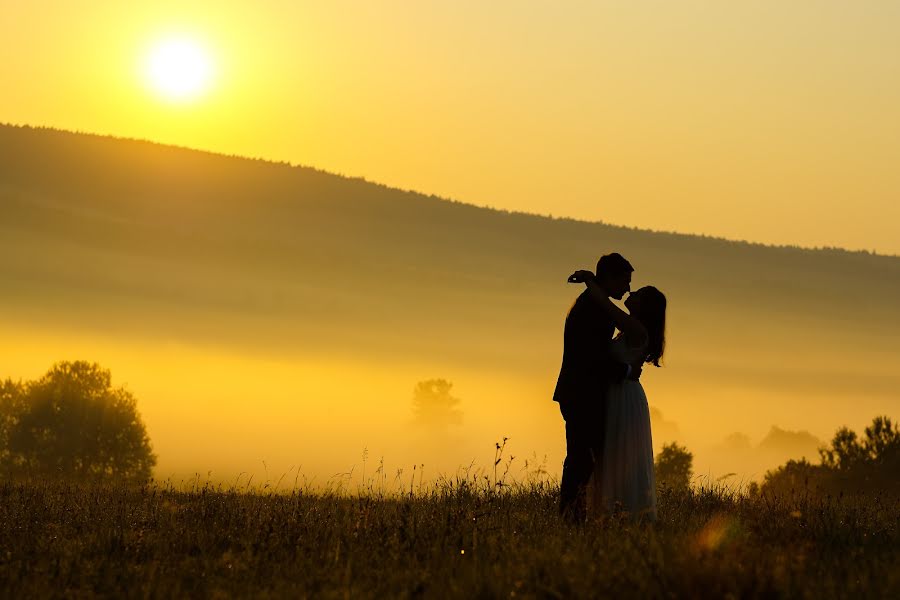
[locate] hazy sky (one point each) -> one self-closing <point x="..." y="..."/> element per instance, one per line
<point x="767" y="120"/>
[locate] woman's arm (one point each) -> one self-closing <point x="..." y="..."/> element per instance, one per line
<point x="633" y="329"/>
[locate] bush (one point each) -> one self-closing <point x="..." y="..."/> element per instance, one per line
<point x="674" y="467"/>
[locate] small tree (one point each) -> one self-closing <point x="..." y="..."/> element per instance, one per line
<point x="72" y="423"/>
<point x="433" y="404"/>
<point x="674" y="467"/>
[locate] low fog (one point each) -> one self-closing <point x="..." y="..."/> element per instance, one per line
<point x="225" y="417"/>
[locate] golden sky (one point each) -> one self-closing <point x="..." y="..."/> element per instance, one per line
<point x="768" y="120"/>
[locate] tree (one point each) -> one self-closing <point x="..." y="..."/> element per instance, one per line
<point x="674" y="466"/>
<point x="845" y="451"/>
<point x="882" y="443"/>
<point x="433" y="404"/>
<point x="73" y="424"/>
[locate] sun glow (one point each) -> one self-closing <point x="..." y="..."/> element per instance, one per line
<point x="179" y="69"/>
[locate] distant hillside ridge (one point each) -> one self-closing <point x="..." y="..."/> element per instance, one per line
<point x="10" y="136"/>
<point x="139" y="238"/>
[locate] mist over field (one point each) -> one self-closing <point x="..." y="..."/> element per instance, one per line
<point x="274" y="320"/>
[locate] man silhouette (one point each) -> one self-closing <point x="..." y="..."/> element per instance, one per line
<point x="587" y="371"/>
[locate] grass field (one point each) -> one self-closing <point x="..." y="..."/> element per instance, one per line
<point x="460" y="538"/>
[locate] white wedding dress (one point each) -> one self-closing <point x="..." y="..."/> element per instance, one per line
<point x="623" y="480"/>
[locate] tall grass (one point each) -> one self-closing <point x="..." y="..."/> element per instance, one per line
<point x="464" y="536"/>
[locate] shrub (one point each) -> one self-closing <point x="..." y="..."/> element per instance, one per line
<point x="674" y="467"/>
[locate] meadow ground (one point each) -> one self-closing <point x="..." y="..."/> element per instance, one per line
<point x="462" y="538"/>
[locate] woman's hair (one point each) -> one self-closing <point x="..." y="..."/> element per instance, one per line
<point x="653" y="316"/>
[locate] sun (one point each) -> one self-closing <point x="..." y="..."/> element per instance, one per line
<point x="178" y="69"/>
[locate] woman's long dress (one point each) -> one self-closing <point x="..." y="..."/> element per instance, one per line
<point x="623" y="480"/>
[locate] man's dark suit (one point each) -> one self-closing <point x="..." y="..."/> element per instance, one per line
<point x="587" y="371"/>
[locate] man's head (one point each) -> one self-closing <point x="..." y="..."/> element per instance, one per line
<point x="614" y="274"/>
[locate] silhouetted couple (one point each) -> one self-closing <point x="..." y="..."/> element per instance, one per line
<point x="609" y="450"/>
